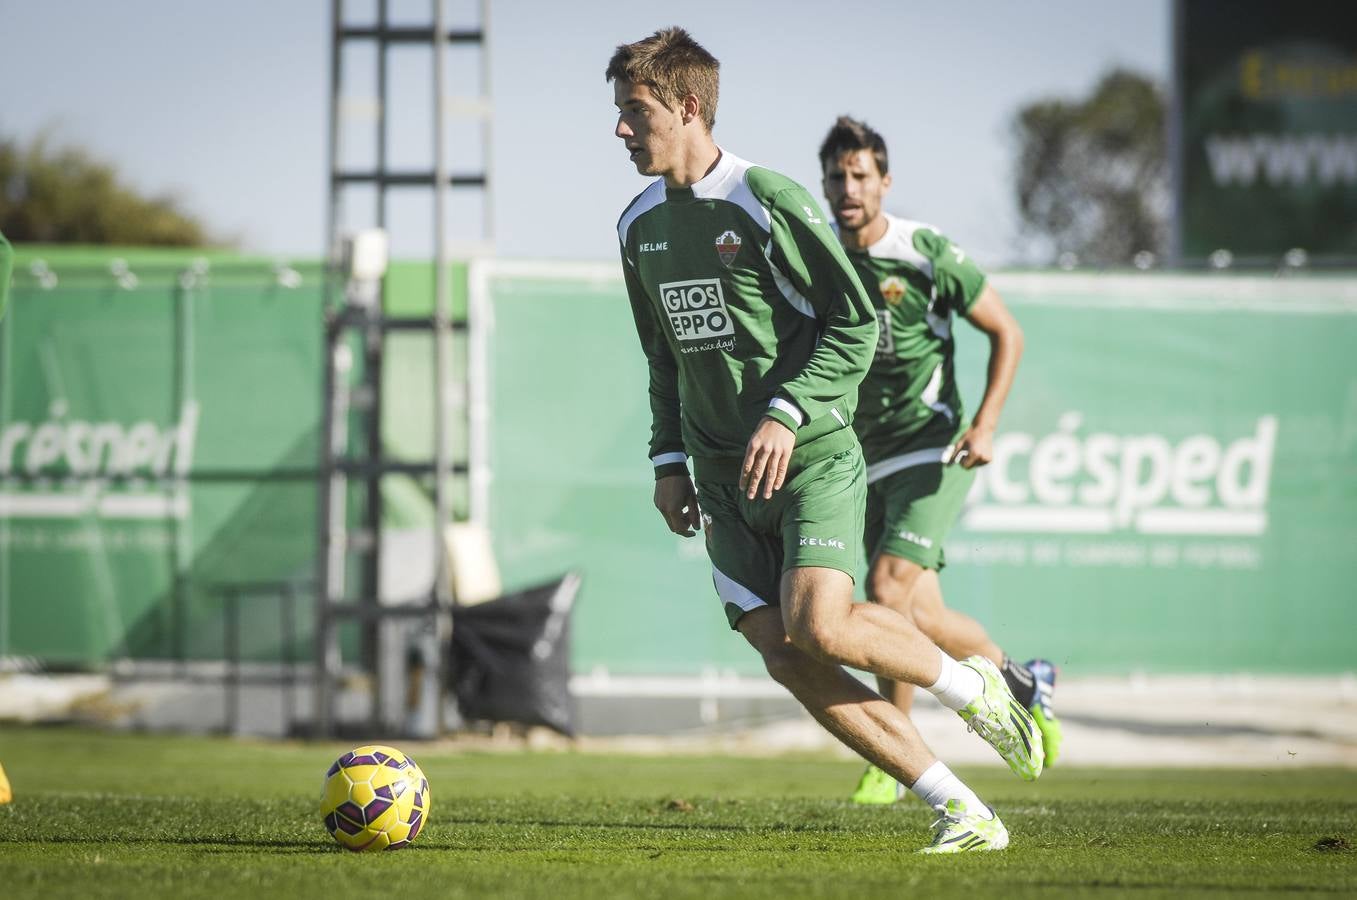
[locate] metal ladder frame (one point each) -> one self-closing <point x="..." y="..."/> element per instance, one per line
<point x="335" y="603"/>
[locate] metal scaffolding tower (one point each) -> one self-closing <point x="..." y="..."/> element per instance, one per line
<point x="353" y="458"/>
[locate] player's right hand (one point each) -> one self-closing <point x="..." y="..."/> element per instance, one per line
<point x="676" y="499"/>
<point x="766" y="458"/>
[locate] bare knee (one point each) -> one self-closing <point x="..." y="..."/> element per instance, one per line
<point x="764" y="630"/>
<point x="891" y="581"/>
<point x="816" y="606"/>
<point x="927" y="617"/>
<point x="785" y="664"/>
<point x="926" y="606"/>
<point x="816" y="635"/>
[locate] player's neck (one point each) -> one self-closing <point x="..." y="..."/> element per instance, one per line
<point x="866" y="236"/>
<point x="701" y="157"/>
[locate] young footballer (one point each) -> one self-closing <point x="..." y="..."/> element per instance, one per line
<point x="921" y="452"/>
<point x="757" y="332"/>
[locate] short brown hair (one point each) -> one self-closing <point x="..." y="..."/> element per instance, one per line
<point x="849" y="136"/>
<point x="672" y="65"/>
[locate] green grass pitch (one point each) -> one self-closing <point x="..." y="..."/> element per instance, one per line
<point x="150" y="816"/>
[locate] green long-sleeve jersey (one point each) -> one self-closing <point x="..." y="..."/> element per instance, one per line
<point x="746" y="306"/>
<point x="6" y="271"/>
<point x="911" y="407"/>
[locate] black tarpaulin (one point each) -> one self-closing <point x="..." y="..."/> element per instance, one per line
<point x="511" y="657"/>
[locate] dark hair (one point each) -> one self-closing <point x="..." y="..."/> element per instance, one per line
<point x="849" y="136"/>
<point x="672" y="65"/>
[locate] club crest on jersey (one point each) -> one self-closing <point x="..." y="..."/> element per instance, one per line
<point x="727" y="246"/>
<point x="893" y="289"/>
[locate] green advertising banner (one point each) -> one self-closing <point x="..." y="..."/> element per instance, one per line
<point x="159" y="412"/>
<point x="1175" y="484"/>
<point x="157" y="439"/>
<point x="1266" y="128"/>
<point x="1174" y="488"/>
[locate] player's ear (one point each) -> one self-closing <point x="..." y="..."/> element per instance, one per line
<point x="690" y="107"/>
<point x="886" y="182"/>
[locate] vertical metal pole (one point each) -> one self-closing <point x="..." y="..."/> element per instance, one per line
<point x="479" y="326"/>
<point x="335" y="526"/>
<point x="288" y="658"/>
<point x="373" y="351"/>
<point x="382" y="47"/>
<point x="324" y="487"/>
<point x="439" y="599"/>
<point x="1174" y="132"/>
<point x="487" y="125"/>
<point x="321" y="650"/>
<point x="177" y="617"/>
<point x="478" y="311"/>
<point x="231" y="602"/>
<point x="333" y="155"/>
<point x="181" y="543"/>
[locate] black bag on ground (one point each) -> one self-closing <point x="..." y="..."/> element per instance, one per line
<point x="511" y="657"/>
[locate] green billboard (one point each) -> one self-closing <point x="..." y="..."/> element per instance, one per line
<point x="1265" y="129"/>
<point x="157" y="439"/>
<point x="1174" y="484"/>
<point x="1174" y="488"/>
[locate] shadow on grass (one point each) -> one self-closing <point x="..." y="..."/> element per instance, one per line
<point x="780" y="828"/>
<point x="216" y="845"/>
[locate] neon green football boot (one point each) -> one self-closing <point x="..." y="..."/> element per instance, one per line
<point x="958" y="830"/>
<point x="1001" y="720"/>
<point x="877" y="787"/>
<point x="1051" y="735"/>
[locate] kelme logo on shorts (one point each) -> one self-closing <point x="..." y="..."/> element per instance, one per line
<point x="696" y="309"/>
<point x="823" y="542"/>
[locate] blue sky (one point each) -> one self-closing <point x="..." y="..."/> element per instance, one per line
<point x="224" y="104"/>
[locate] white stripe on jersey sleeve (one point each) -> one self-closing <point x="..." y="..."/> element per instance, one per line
<point x="790" y="409"/>
<point x="645" y="201"/>
<point x="786" y="288"/>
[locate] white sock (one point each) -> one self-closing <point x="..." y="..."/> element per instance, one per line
<point x="937" y="785"/>
<point x="957" y="685"/>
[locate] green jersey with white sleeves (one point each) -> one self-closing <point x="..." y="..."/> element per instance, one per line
<point x="746" y="306"/>
<point x="909" y="408"/>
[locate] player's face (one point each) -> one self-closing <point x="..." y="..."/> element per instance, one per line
<point x="649" y="129"/>
<point x="855" y="187"/>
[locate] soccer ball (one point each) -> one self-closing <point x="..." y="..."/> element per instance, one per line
<point x="375" y="798"/>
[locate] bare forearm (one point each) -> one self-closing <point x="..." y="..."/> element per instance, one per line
<point x="1004" y="354"/>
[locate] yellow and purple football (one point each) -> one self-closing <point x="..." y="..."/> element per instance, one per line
<point x="375" y="798"/>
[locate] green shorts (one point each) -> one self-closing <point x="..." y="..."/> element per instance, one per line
<point x="910" y="511"/>
<point x="814" y="520"/>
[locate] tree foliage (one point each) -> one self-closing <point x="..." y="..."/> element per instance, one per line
<point x="65" y="195"/>
<point x="1092" y="174"/>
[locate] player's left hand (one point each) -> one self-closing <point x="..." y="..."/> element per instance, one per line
<point x="975" y="448"/>
<point x="766" y="458"/>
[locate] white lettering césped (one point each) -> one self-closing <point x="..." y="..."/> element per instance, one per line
<point x="1101" y="481"/>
